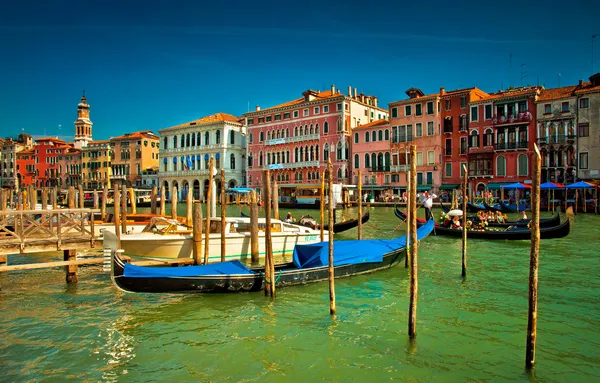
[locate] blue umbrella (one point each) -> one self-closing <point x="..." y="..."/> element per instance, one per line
<point x="516" y="185"/>
<point x="549" y="185"/>
<point x="579" y="185"/>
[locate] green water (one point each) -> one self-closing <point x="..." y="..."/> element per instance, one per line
<point x="468" y="330"/>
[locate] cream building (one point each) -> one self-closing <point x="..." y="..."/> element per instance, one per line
<point x="185" y="151"/>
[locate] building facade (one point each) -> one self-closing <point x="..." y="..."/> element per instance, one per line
<point x="69" y="167"/>
<point x="26" y="167"/>
<point x="186" y="149"/>
<point x="416" y="121"/>
<point x="150" y="177"/>
<point x="131" y="154"/>
<point x="8" y="165"/>
<point x="297" y="138"/>
<point x="47" y="151"/>
<point x="96" y="170"/>
<point x="371" y="154"/>
<point x="588" y="128"/>
<point x="83" y="124"/>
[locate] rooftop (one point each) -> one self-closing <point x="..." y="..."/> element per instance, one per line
<point x="373" y="124"/>
<point x="557" y="93"/>
<point x="136" y="135"/>
<point x="217" y="117"/>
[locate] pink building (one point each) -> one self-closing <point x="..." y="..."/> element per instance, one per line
<point x="295" y="139"/>
<point x="371" y="153"/>
<point x="416" y="120"/>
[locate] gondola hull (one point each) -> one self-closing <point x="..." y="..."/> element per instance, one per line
<point x="518" y="233"/>
<point x="340" y="227"/>
<point x="544" y="222"/>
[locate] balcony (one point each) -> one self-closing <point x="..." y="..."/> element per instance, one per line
<point x="118" y="177"/>
<point x="556" y="140"/>
<point x="287" y="140"/>
<point x="511" y="145"/>
<point x="385" y="168"/>
<point x="481" y="173"/>
<point x="292" y="165"/>
<point x="399" y="168"/>
<point x="182" y="173"/>
<point x="512" y="118"/>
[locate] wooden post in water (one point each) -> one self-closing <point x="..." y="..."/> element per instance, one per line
<point x="414" y="277"/>
<point x="330" y="222"/>
<point x="23" y="202"/>
<point x="269" y="267"/>
<point x="576" y="200"/>
<point x="360" y="207"/>
<point x="174" y="203"/>
<point x="322" y="208"/>
<point x="2" y="200"/>
<point x="70" y="270"/>
<point x="534" y="259"/>
<point x="189" y="204"/>
<point x="54" y="198"/>
<point x="163" y="201"/>
<point x="71" y="198"/>
<point x="211" y="165"/>
<point x="44" y="199"/>
<point x="464" y="223"/>
<point x="153" y="201"/>
<point x="104" y="200"/>
<point x="253" y="228"/>
<point x="33" y="197"/>
<point x="117" y="214"/>
<point x="223" y="214"/>
<point x="275" y="199"/>
<point x="96" y="201"/>
<point x="81" y="196"/>
<point x="409" y="202"/>
<point x="124" y="209"/>
<point x="197" y="232"/>
<point x="133" y="201"/>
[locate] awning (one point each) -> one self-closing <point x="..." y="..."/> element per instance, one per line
<point x="497" y="185"/>
<point x="449" y="186"/>
<point x="424" y="188"/>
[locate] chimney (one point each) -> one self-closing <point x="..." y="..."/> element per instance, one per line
<point x="375" y="101"/>
<point x="580" y="82"/>
<point x="349" y="91"/>
<point x="355" y="93"/>
<point x="442" y="91"/>
<point x="257" y="108"/>
<point x="362" y="98"/>
<point x="332" y="89"/>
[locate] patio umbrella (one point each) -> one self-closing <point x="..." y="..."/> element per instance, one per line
<point x="551" y="186"/>
<point x="582" y="185"/>
<point x="454" y="212"/>
<point x="516" y="185"/>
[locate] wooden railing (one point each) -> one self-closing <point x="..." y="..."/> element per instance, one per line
<point x="27" y="231"/>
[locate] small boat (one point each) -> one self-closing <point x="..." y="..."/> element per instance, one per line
<point x="340" y="227"/>
<point x="164" y="238"/>
<point x="310" y="264"/>
<point x="492" y="208"/>
<point x="505" y="208"/>
<point x="473" y="208"/>
<point x="544" y="222"/>
<point x="511" y="233"/>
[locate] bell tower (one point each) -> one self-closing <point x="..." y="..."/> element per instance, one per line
<point x="83" y="125"/>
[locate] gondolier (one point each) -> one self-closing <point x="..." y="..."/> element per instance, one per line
<point x="428" y="204"/>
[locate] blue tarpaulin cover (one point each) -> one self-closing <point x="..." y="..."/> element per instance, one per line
<point x="219" y="268"/>
<point x="352" y="251"/>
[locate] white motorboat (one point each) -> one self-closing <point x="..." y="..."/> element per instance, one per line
<point x="167" y="239"/>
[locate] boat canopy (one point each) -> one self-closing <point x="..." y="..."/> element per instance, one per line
<point x="352" y="251"/>
<point x="220" y="268"/>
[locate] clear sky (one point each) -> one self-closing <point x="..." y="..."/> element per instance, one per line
<point x="154" y="64"/>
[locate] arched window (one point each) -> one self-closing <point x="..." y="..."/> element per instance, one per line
<point x="218" y="137"/>
<point x="175" y="141"/>
<point x="387" y="159"/>
<point x="339" y="151"/>
<point x="232" y="161"/>
<point x="268" y="158"/>
<point x="523" y="165"/>
<point x="187" y="140"/>
<point x="295" y="131"/>
<point x="373" y="159"/>
<point x="193" y="139"/>
<point x="316" y="128"/>
<point x="206" y="139"/>
<point x="306" y="153"/>
<point x="367" y="160"/>
<point x="260" y="159"/>
<point x="250" y="163"/>
<point x="387" y="134"/>
<point x="301" y="153"/>
<point x="312" y="153"/>
<point x="311" y="131"/>
<point x="296" y="155"/>
<point x="373" y="136"/>
<point x="380" y="135"/>
<point x="165" y="143"/>
<point x="346" y="152"/>
<point x="380" y="160"/>
<point x="287" y="134"/>
<point x="326" y="127"/>
<point x="325" y="152"/>
<point x="306" y="130"/>
<point x="339" y="172"/>
<point x="488" y="137"/>
<point x="474" y="139"/>
<point x="356" y="138"/>
<point x="367" y="137"/>
<point x="317" y="153"/>
<point x="231" y="137"/>
<point x="182" y="140"/>
<point x="356" y="161"/>
<point x="500" y="166"/>
<point x="261" y="137"/>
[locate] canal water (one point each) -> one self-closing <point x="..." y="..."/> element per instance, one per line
<point x="468" y="330"/>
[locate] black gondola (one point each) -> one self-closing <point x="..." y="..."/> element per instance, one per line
<point x="360" y="257"/>
<point x="516" y="233"/>
<point x="506" y="209"/>
<point x="491" y="208"/>
<point x="544" y="222"/>
<point x="340" y="227"/>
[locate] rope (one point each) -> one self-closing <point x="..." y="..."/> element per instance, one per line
<point x="276" y="279"/>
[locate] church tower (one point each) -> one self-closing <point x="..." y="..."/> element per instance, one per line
<point x="83" y="125"/>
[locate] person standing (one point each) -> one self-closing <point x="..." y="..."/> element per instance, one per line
<point x="428" y="204"/>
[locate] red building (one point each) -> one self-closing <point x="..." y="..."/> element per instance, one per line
<point x="26" y="171"/>
<point x="454" y="110"/>
<point x="371" y="152"/>
<point x="47" y="151"/>
<point x="502" y="133"/>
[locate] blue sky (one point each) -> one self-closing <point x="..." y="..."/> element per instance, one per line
<point x="154" y="64"/>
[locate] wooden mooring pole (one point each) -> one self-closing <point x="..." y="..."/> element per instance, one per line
<point x="71" y="198"/>
<point x="54" y="198"/>
<point x="269" y="266"/>
<point x="197" y="233"/>
<point x="70" y="270"/>
<point x="32" y="197"/>
<point x="322" y="207"/>
<point x="275" y="199"/>
<point x="96" y="201"/>
<point x="117" y="214"/>
<point x="360" y="207"/>
<point x="81" y="196"/>
<point x="211" y="167"/>
<point x="414" y="277"/>
<point x="44" y="199"/>
<point x="124" y="209"/>
<point x="104" y="200"/>
<point x="133" y="201"/>
<point x="464" y="222"/>
<point x="409" y="202"/>
<point x="330" y="222"/>
<point x="253" y="228"/>
<point x="2" y="200"/>
<point x="163" y="201"/>
<point x="534" y="260"/>
<point x="153" y="198"/>
<point x="189" y="205"/>
<point x="174" y="203"/>
<point x="223" y="214"/>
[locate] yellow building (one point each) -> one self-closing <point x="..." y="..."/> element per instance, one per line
<point x="132" y="154"/>
<point x="96" y="164"/>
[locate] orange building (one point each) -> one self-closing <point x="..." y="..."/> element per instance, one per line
<point x="131" y="154"/>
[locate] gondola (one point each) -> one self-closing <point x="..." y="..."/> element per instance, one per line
<point x="544" y="222"/>
<point x="340" y="227"/>
<point x="491" y="208"/>
<point x="505" y="208"/>
<point x="296" y="205"/>
<point x="516" y="233"/>
<point x="310" y="264"/>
